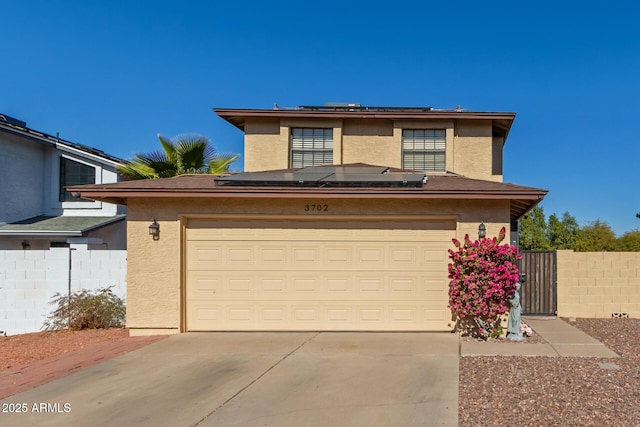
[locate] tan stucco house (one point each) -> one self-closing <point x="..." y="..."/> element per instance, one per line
<point x="341" y="221"/>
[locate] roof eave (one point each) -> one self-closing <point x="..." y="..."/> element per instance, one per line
<point x="237" y="117"/>
<point x="71" y="231"/>
<point x="121" y="196"/>
<point x="42" y="233"/>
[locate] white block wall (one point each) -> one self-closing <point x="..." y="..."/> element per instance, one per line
<point x="29" y="279"/>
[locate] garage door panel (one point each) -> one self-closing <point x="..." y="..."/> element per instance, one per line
<point x="273" y="313"/>
<point x="305" y="278"/>
<point x="370" y="287"/>
<point x="205" y="312"/>
<point x="339" y="286"/>
<point x="241" y="286"/>
<point x="434" y="315"/>
<point x="203" y="256"/>
<point x="240" y="313"/>
<point x="220" y="286"/>
<point x="273" y="255"/>
<point x="404" y="287"/>
<point x="371" y="315"/>
<point x="371" y="255"/>
<point x="271" y="287"/>
<point x="404" y="314"/>
<point x="304" y="287"/>
<point x="436" y="256"/>
<point x="306" y="314"/>
<point x="305" y="255"/>
<point x="230" y="285"/>
<point x="233" y="230"/>
<point x="327" y="315"/>
<point x="339" y="257"/>
<point x="403" y="255"/>
<point x="338" y="314"/>
<point x="241" y="256"/>
<point x="202" y="286"/>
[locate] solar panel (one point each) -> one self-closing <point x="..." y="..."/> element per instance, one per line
<point x="328" y="176"/>
<point x="364" y="169"/>
<point x="272" y="177"/>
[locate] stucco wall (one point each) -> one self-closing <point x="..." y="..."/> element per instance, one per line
<point x="154" y="276"/>
<point x="598" y="284"/>
<point x="114" y="236"/>
<point x="370" y="142"/>
<point x="264" y="149"/>
<point x="22" y="177"/>
<point x="153" y="269"/>
<point x="471" y="149"/>
<point x="29" y="279"/>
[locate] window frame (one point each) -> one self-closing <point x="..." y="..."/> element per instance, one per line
<point x="313" y="155"/>
<point x="63" y="195"/>
<point x="432" y="159"/>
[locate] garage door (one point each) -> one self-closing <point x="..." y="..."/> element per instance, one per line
<point x="296" y="275"/>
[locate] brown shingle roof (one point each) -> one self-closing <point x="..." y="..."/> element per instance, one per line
<point x="437" y="186"/>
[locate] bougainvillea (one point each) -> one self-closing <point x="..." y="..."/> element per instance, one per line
<point x="483" y="277"/>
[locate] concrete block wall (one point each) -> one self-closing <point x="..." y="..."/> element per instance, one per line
<point x="598" y="284"/>
<point x="29" y="279"/>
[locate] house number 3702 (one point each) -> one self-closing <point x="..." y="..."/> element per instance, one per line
<point x="316" y="207"/>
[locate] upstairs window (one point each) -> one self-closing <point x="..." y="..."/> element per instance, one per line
<point x="311" y="147"/>
<point x="74" y="173"/>
<point x="424" y="149"/>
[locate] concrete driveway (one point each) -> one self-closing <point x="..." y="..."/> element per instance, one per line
<point x="258" y="379"/>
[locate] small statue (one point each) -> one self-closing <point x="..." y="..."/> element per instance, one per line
<point x="513" y="330"/>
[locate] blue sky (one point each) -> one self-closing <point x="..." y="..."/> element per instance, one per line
<point x="114" y="74"/>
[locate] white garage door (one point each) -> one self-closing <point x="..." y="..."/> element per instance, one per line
<point x="296" y="275"/>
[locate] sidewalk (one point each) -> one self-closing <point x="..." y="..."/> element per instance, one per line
<point x="562" y="339"/>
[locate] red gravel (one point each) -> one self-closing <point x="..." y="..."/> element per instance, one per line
<point x="20" y="350"/>
<point x="32" y="360"/>
<point x="556" y="391"/>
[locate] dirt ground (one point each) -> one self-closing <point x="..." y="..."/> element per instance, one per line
<point x="21" y="350"/>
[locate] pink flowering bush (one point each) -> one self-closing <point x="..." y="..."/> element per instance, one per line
<point x="483" y="278"/>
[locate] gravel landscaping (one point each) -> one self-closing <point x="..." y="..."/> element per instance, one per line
<point x="21" y="350"/>
<point x="557" y="391"/>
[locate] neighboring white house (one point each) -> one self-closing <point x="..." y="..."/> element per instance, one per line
<point x="41" y="224"/>
<point x="36" y="212"/>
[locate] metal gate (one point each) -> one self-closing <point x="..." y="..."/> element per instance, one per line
<point x="538" y="293"/>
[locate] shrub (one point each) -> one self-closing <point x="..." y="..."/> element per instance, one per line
<point x="483" y="278"/>
<point x="86" y="310"/>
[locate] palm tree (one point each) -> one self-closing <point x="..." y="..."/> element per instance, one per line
<point x="183" y="154"/>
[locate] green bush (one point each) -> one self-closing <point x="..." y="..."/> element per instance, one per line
<point x="86" y="310"/>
